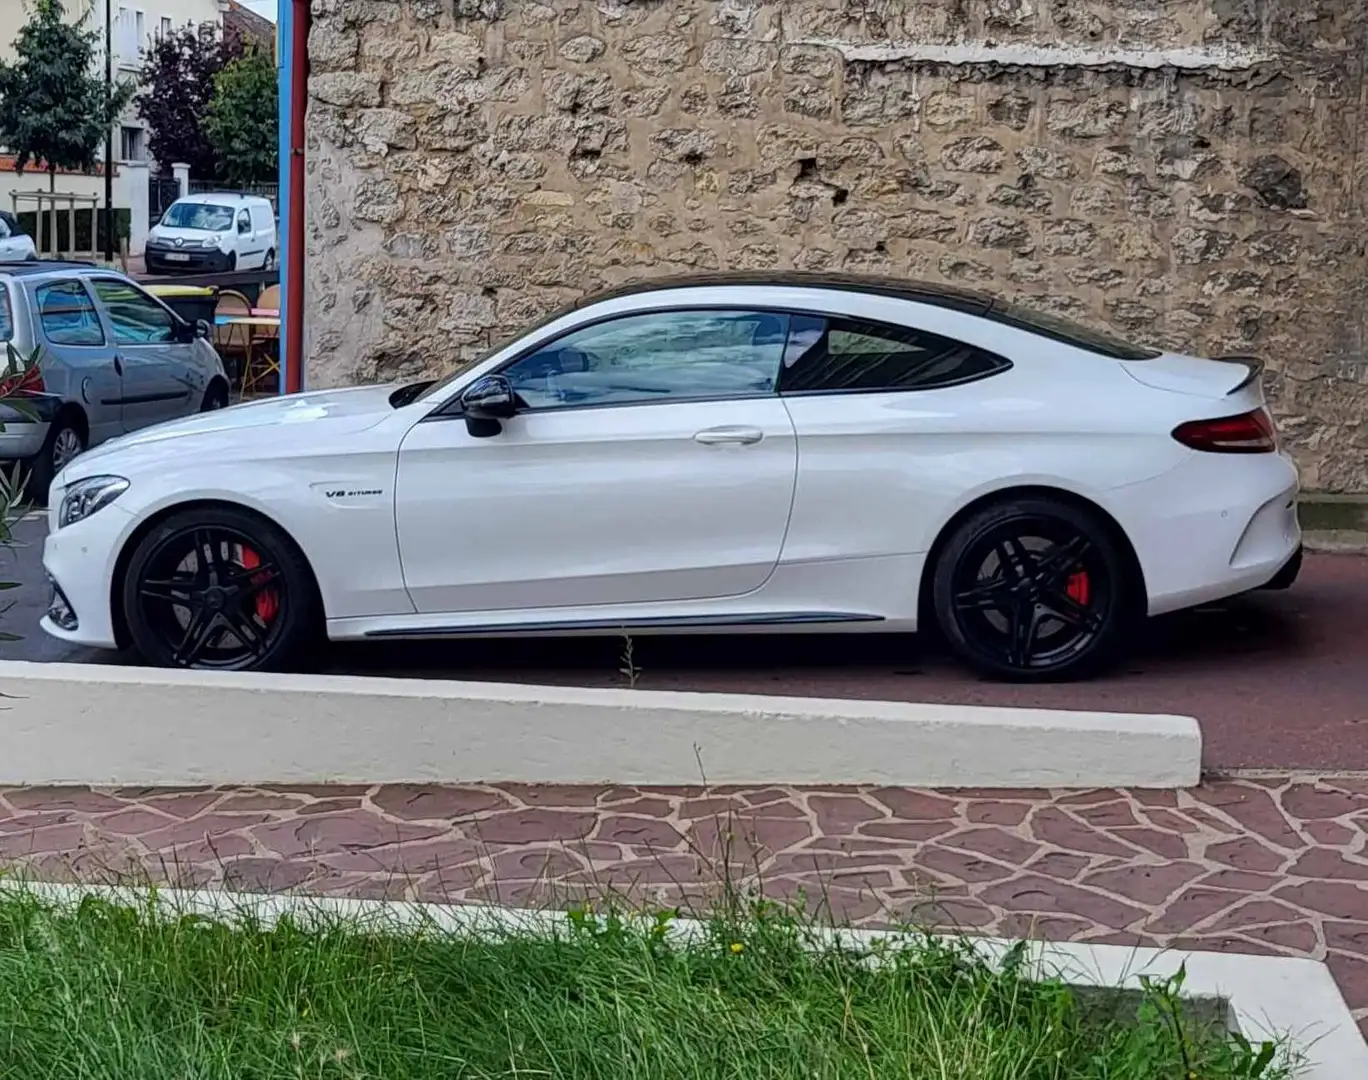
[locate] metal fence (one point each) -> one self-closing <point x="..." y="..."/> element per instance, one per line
<point x="266" y="191"/>
<point x="161" y="193"/>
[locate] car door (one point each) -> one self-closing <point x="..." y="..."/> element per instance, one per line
<point x="650" y="461"/>
<point x="76" y="356"/>
<point x="160" y="378"/>
<point x="887" y="416"/>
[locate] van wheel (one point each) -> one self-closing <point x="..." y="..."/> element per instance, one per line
<point x="269" y="264"/>
<point x="232" y="261"/>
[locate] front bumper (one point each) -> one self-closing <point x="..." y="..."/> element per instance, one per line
<point x="79" y="561"/>
<point x="182" y="260"/>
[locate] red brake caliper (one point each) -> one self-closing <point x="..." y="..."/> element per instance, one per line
<point x="267" y="603"/>
<point x="1079" y="589"/>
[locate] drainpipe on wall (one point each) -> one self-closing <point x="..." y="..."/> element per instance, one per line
<point x="292" y="62"/>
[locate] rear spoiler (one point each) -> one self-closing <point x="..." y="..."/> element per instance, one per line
<point x="1253" y="364"/>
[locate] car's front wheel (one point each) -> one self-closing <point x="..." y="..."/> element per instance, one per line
<point x="1035" y="589"/>
<point x="219" y="588"/>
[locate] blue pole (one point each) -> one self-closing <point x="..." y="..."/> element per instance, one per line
<point x="284" y="95"/>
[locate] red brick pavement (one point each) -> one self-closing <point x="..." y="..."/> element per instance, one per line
<point x="1275" y="866"/>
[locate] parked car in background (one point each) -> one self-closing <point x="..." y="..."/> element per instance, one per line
<point x="15" y="244"/>
<point x="213" y="232"/>
<point x="99" y="358"/>
<point x="764" y="453"/>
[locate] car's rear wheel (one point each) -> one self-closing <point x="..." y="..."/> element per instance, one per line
<point x="216" y="397"/>
<point x="65" y="442"/>
<point x="221" y="589"/>
<point x="1035" y="589"/>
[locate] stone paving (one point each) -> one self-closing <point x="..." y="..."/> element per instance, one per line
<point x="1260" y="866"/>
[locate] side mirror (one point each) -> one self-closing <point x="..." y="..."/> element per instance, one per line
<point x="203" y="329"/>
<point x="486" y="403"/>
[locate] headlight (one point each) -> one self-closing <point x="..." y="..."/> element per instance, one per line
<point x="209" y="243"/>
<point x="86" y="496"/>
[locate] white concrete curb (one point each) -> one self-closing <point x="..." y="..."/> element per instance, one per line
<point x="1269" y="997"/>
<point x="93" y="724"/>
<point x="97" y="725"/>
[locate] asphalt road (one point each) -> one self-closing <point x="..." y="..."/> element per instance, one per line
<point x="1278" y="680"/>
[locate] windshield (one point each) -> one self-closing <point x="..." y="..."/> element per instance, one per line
<point x="205" y="217"/>
<point x="1068" y="331"/>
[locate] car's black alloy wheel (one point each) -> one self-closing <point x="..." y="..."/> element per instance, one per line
<point x="1034" y="590"/>
<point x="219" y="589"/>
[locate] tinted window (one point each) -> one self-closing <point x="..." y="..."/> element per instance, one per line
<point x="664" y="356"/>
<point x="6" y="315"/>
<point x="853" y="355"/>
<point x="1068" y="331"/>
<point x="137" y="319"/>
<point x="67" y="315"/>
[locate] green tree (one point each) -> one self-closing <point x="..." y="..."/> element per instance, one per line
<point x="242" y="122"/>
<point x="55" y="111"/>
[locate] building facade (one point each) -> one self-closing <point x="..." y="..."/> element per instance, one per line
<point x="134" y="24"/>
<point x="1192" y="173"/>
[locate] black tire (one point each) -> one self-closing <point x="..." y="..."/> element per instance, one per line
<point x="1036" y="589"/>
<point x="269" y="262"/>
<point x="232" y="261"/>
<point x="63" y="436"/>
<point x="192" y="598"/>
<point x="215" y="397"/>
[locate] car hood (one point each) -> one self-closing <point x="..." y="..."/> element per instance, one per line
<point x="192" y="237"/>
<point x="355" y="409"/>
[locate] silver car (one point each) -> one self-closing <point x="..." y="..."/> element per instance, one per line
<point x="110" y="359"/>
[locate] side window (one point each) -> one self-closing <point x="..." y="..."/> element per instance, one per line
<point x="831" y="355"/>
<point x="662" y="356"/>
<point x="5" y="233"/>
<point x="137" y="319"/>
<point x="244" y="222"/>
<point x="66" y="314"/>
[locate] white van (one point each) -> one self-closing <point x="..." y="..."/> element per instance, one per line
<point x="216" y="231"/>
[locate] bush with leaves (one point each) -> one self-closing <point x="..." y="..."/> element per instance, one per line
<point x="242" y="122"/>
<point x="55" y="110"/>
<point x="177" y="80"/>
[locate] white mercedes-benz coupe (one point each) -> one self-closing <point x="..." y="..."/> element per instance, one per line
<point x="735" y="453"/>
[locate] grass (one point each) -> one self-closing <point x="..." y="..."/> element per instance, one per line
<point x="104" y="991"/>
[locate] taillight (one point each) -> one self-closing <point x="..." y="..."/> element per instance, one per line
<point x="28" y="381"/>
<point x="1249" y="433"/>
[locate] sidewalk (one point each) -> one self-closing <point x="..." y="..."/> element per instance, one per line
<point x="1257" y="866"/>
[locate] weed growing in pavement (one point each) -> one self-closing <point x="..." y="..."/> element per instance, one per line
<point x="629" y="670"/>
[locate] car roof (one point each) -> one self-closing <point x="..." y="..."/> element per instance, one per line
<point x="923" y="292"/>
<point x="224" y="198"/>
<point x="28" y="268"/>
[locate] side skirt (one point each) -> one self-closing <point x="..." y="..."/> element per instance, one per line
<point x="665" y="622"/>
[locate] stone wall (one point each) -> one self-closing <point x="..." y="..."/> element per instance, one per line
<point x="1189" y="172"/>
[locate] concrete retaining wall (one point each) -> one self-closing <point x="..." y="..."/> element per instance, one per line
<point x="86" y="724"/>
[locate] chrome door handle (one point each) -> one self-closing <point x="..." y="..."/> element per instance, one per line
<point x="742" y="436"/>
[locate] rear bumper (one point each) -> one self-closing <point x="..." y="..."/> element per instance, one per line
<point x="1216" y="526"/>
<point x="1285" y="577"/>
<point x="22" y="439"/>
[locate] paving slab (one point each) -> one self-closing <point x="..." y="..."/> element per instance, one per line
<point x="1271" y="865"/>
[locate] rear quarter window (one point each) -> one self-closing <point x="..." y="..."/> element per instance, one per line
<point x="6" y="315"/>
